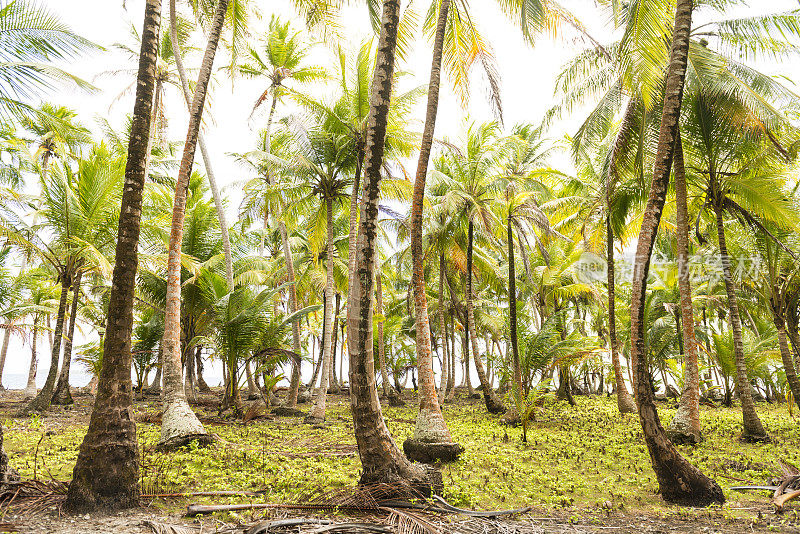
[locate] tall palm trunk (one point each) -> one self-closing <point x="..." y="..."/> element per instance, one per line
<point x="493" y="404"/>
<point x="519" y="394"/>
<point x="685" y="426"/>
<point x="62" y="395"/>
<point x="41" y="402"/>
<point x="317" y="413"/>
<point x="388" y="390"/>
<point x="786" y="355"/>
<point x="431" y="440"/>
<point x="212" y="181"/>
<point x="179" y="424"/>
<point x="106" y="474"/>
<point x="443" y="333"/>
<point x="381" y="460"/>
<point x="678" y="480"/>
<point x="30" y="388"/>
<point x="625" y="402"/>
<point x="334" y="383"/>
<point x="753" y="429"/>
<point x="294" y="383"/>
<point x="4" y="351"/>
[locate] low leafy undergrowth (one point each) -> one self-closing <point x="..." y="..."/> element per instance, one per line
<point x="587" y="457"/>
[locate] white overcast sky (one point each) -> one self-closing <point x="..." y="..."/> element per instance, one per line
<point x="527" y="80"/>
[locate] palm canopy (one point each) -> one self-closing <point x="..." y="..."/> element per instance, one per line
<point x="31" y="40"/>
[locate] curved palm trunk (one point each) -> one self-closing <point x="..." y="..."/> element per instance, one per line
<point x="678" y="480"/>
<point x="753" y="429"/>
<point x="30" y="388"/>
<point x="179" y="424"/>
<point x="493" y="403"/>
<point x="212" y="181"/>
<point x="625" y="402"/>
<point x="431" y="440"/>
<point x="381" y="460"/>
<point x="106" y="474"/>
<point x="685" y="426"/>
<point x="62" y="394"/>
<point x="317" y="413"/>
<point x="41" y="402"/>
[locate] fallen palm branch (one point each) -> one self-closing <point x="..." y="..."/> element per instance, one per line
<point x="785" y="488"/>
<point x="381" y="497"/>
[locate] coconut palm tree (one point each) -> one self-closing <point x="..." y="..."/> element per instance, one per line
<point x="282" y="62"/>
<point x="381" y="460"/>
<point x="471" y="183"/>
<point x="110" y="440"/>
<point x="179" y="423"/>
<point x="679" y="481"/>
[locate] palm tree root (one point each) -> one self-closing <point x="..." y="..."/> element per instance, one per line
<point x="177" y="442"/>
<point x="285" y="411"/>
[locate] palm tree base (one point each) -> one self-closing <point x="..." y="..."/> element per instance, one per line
<point x="62" y="396"/>
<point x="404" y="480"/>
<point x="180" y="426"/>
<point x="428" y="452"/>
<point x="493" y="404"/>
<point x="680" y="431"/>
<point x="625" y="403"/>
<point x="177" y="442"/>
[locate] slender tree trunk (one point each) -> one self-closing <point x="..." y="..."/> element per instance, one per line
<point x="212" y="181"/>
<point x="106" y="474"/>
<point x="317" y="413"/>
<point x="516" y="367"/>
<point x="625" y="402"/>
<point x="62" y="394"/>
<point x="431" y="440"/>
<point x="493" y="404"/>
<point x="451" y="376"/>
<point x="443" y="333"/>
<point x="4" y="351"/>
<point x="685" y="426"/>
<point x="202" y="386"/>
<point x="678" y="480"/>
<point x="41" y="402"/>
<point x="252" y="390"/>
<point x="786" y="356"/>
<point x="155" y="385"/>
<point x="753" y="429"/>
<point x="388" y="391"/>
<point x="381" y="460"/>
<point x="30" y="388"/>
<point x="334" y="384"/>
<point x="179" y="424"/>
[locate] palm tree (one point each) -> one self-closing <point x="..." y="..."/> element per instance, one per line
<point x="471" y="183"/>
<point x="679" y="481"/>
<point x="107" y="470"/>
<point x="281" y="62"/>
<point x="78" y="208"/>
<point x="381" y="460"/>
<point x="179" y="424"/>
